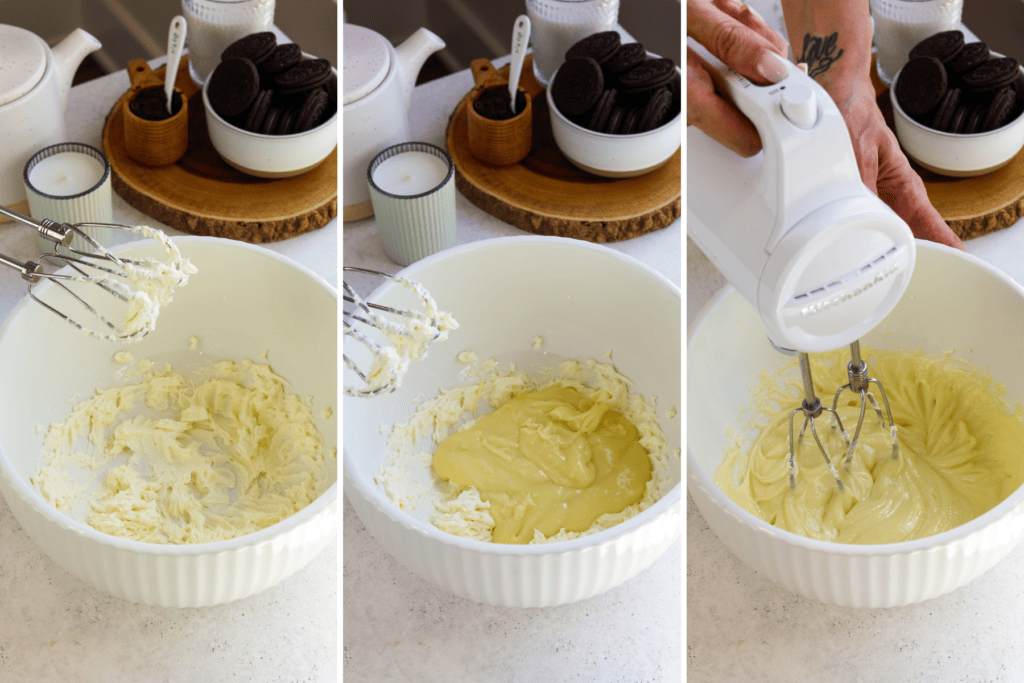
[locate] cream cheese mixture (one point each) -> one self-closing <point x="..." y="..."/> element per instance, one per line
<point x="165" y="459"/>
<point x="959" y="452"/>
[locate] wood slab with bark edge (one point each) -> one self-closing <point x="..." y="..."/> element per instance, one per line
<point x="547" y="195"/>
<point x="202" y="195"/>
<point x="970" y="206"/>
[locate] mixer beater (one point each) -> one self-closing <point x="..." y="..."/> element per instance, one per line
<point x="406" y="334"/>
<point x="811" y="408"/>
<point x="140" y="285"/>
<point x="860" y="383"/>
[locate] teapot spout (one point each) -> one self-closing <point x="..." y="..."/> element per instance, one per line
<point x="67" y="55"/>
<point x="411" y="56"/>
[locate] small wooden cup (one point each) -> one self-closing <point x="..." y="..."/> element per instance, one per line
<point x="153" y="143"/>
<point x="498" y="143"/>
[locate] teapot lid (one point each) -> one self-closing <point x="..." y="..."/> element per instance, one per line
<point x="23" y="56"/>
<point x="365" y="63"/>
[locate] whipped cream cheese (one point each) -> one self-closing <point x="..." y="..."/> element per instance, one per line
<point x="169" y="459"/>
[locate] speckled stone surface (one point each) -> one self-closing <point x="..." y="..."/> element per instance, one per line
<point x="398" y="628"/>
<point x="56" y="628"/>
<point x="742" y="627"/>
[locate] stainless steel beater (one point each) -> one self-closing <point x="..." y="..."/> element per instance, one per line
<point x="361" y="312"/>
<point x="96" y="267"/>
<point x="860" y="383"/>
<point x="811" y="408"/>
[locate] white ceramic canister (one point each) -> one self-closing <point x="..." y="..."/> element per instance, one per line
<point x="34" y="86"/>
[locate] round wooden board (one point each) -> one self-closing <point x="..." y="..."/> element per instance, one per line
<point x="547" y="195"/>
<point x="970" y="206"/>
<point x="203" y="195"/>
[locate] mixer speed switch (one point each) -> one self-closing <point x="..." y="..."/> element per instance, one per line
<point x="800" y="105"/>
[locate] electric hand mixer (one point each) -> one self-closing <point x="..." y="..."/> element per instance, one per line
<point x="796" y="232"/>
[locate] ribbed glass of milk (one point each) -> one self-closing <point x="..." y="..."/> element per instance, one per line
<point x="556" y="24"/>
<point x="902" y="24"/>
<point x="215" y="24"/>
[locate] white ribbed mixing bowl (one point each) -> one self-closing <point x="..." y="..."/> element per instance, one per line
<point x="583" y="299"/>
<point x="243" y="301"/>
<point x="954" y="302"/>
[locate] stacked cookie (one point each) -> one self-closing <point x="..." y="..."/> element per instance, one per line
<point x="958" y="87"/>
<point x="271" y="89"/>
<point x="616" y="88"/>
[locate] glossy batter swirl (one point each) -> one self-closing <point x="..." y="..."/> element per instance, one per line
<point x="960" y="452"/>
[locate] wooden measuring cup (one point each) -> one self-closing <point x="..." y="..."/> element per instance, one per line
<point x="497" y="142"/>
<point x="153" y="143"/>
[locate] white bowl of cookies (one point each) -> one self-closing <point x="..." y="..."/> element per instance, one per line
<point x="615" y="108"/>
<point x="958" y="107"/>
<point x="271" y="110"/>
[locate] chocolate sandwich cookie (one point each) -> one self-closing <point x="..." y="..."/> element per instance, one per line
<point x="625" y="58"/>
<point x="947" y="107"/>
<point x="656" y="111"/>
<point x="303" y="76"/>
<point x="255" y="47"/>
<point x="312" y="111"/>
<point x="921" y="85"/>
<point x="602" y="110"/>
<point x="943" y="46"/>
<point x="998" y="113"/>
<point x="972" y="55"/>
<point x="973" y="123"/>
<point x="233" y="86"/>
<point x="956" y="124"/>
<point x="648" y="75"/>
<point x="615" y="120"/>
<point x="629" y="124"/>
<point x="283" y="57"/>
<point x="270" y="121"/>
<point x="286" y="122"/>
<point x="577" y="86"/>
<point x="992" y="74"/>
<point x="258" y="111"/>
<point x="598" y="46"/>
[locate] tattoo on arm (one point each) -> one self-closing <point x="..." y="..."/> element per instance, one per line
<point x="819" y="53"/>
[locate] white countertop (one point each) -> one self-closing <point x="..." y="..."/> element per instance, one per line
<point x="54" y="627"/>
<point x="743" y="627"/>
<point x="398" y="627"/>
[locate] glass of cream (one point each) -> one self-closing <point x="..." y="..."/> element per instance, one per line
<point x="902" y="24"/>
<point x="555" y="25"/>
<point x="215" y="24"/>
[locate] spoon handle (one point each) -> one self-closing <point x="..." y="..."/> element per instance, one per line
<point x="175" y="46"/>
<point x="520" y="39"/>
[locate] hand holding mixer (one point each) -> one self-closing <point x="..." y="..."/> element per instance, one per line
<point x="796" y="231"/>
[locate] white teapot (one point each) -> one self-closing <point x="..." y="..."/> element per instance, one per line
<point x="34" y="86"/>
<point x="378" y="79"/>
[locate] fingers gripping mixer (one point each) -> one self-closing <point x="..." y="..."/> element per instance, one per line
<point x="796" y="231"/>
